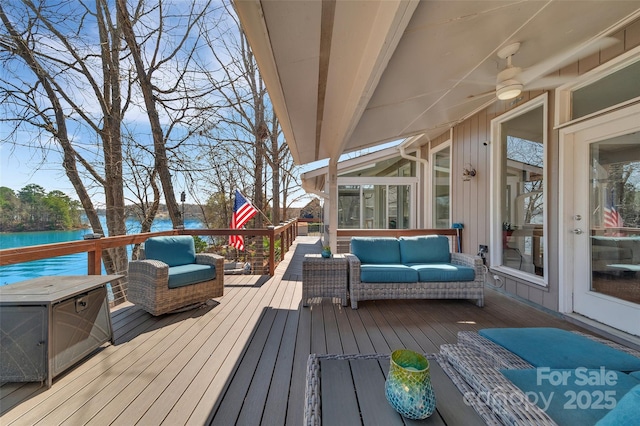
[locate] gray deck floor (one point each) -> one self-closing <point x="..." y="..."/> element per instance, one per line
<point x="243" y="359"/>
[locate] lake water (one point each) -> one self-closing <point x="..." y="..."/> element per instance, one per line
<point x="73" y="264"/>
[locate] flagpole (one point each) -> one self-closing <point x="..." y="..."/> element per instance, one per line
<point x="263" y="215"/>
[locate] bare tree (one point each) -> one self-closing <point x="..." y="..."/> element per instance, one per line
<point x="63" y="65"/>
<point x="163" y="48"/>
<point x="248" y="120"/>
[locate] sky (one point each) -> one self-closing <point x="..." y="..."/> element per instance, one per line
<point x="21" y="165"/>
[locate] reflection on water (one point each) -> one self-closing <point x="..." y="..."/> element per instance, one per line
<point x="73" y="264"/>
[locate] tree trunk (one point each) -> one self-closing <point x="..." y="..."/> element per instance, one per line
<point x="146" y="86"/>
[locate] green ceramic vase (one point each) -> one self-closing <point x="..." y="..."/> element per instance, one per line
<point x="408" y="386"/>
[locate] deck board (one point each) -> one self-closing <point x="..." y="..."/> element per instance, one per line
<point x="243" y="360"/>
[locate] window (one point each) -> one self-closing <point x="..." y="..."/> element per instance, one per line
<point x="377" y="195"/>
<point x="441" y="188"/>
<point x="607" y="87"/>
<point x="519" y="201"/>
<point x="614" y="89"/>
<point x="368" y="206"/>
<point x="349" y="206"/>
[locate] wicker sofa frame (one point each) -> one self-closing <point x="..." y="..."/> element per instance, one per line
<point x="148" y="285"/>
<point x="478" y="361"/>
<point x="419" y="290"/>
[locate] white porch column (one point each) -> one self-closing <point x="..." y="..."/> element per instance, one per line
<point x="333" y="204"/>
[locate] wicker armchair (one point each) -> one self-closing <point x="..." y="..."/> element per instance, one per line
<point x="170" y="278"/>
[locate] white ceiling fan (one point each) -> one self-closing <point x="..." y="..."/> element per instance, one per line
<point x="512" y="80"/>
<point x="507" y="84"/>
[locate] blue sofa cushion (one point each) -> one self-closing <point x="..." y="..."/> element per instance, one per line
<point x="392" y="273"/>
<point x="555" y="348"/>
<point x="425" y="249"/>
<point x="376" y="250"/>
<point x="183" y="275"/>
<point x="627" y="412"/>
<point x="435" y="272"/>
<point x="573" y="396"/>
<point x="173" y="250"/>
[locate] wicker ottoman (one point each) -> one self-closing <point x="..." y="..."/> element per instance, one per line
<point x="324" y="277"/>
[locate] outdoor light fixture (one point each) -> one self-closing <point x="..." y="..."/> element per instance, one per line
<point x="468" y="172"/>
<point x="507" y="84"/>
<point x="508" y="89"/>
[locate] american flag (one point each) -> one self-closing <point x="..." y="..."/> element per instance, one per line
<point x="243" y="211"/>
<point x="612" y="218"/>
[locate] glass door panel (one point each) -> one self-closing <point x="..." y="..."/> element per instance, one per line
<point x="614" y="202"/>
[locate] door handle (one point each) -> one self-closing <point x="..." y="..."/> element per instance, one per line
<point x="577" y="231"/>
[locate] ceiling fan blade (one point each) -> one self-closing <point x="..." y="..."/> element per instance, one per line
<point x="548" y="83"/>
<point x="565" y="58"/>
<point x="481" y="95"/>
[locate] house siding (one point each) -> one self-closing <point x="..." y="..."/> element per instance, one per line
<point x="470" y="202"/>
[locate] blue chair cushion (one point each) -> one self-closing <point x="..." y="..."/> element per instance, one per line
<point x="435" y="272"/>
<point x="376" y="250"/>
<point x="425" y="249"/>
<point x="555" y="348"/>
<point x="183" y="275"/>
<point x="627" y="411"/>
<point x="573" y="396"/>
<point x="393" y="273"/>
<point x="173" y="250"/>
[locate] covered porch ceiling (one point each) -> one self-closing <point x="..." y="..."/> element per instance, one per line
<point x="344" y="75"/>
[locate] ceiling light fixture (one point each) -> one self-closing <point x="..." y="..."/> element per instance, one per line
<point x="507" y="84"/>
<point x="508" y="89"/>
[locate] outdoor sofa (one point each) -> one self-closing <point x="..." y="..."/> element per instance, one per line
<point x="172" y="276"/>
<point x="420" y="267"/>
<point x="547" y="376"/>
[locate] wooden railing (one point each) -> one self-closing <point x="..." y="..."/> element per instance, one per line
<point x="284" y="233"/>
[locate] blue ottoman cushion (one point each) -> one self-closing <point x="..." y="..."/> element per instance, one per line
<point x="555" y="348"/>
<point x="573" y="396"/>
<point x="627" y="412"/>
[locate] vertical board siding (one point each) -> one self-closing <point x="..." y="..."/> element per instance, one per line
<point x="470" y="203"/>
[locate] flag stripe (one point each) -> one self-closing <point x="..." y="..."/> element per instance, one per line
<point x="243" y="211"/>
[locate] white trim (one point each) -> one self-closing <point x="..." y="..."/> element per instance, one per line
<point x="496" y="184"/>
<point x="600" y="126"/>
<point x="430" y="201"/>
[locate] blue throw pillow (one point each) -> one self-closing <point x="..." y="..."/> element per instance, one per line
<point x="173" y="250"/>
<point x="572" y="396"/>
<point x="627" y="412"/>
<point x="425" y="249"/>
<point x="376" y="250"/>
<point x="555" y="348"/>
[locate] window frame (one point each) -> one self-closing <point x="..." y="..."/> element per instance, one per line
<point x="412" y="182"/>
<point x="431" y="182"/>
<point x="496" y="191"/>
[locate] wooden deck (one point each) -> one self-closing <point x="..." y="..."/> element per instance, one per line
<point x="243" y="359"/>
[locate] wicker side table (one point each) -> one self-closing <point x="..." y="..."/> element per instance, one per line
<point x="324" y="277"/>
